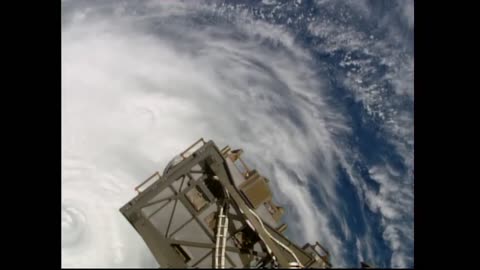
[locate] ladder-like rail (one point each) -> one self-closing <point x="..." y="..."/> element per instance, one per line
<point x="221" y="240"/>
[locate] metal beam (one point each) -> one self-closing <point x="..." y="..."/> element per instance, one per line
<point x="202" y="245"/>
<point x="181" y="169"/>
<point x="211" y="160"/>
<point x="219" y="167"/>
<point x="162" y="251"/>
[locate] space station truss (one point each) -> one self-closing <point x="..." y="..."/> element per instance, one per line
<point x="209" y="210"/>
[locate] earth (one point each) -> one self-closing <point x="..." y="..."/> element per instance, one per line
<point x="319" y="95"/>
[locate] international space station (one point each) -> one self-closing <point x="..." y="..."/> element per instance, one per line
<point x="210" y="210"/>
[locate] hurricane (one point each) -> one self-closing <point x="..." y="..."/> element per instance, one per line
<point x="319" y="95"/>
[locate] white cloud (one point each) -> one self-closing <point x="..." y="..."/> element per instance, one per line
<point x="132" y="99"/>
<point x="135" y="93"/>
<point x="395" y="201"/>
<point x="408" y="12"/>
<point x="268" y="2"/>
<point x="379" y="94"/>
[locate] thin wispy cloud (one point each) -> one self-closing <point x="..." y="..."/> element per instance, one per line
<point x="142" y="81"/>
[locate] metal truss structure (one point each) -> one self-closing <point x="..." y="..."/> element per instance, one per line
<point x="205" y="212"/>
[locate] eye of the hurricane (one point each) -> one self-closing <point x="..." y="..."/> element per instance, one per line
<point x="73" y="221"/>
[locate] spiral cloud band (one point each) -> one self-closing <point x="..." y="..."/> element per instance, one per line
<point x="143" y="80"/>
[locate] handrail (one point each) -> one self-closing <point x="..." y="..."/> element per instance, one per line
<point x="221" y="239"/>
<point x="300" y="265"/>
<point x="144" y="182"/>
<point x="247" y="170"/>
<point x="191" y="146"/>
<point x="324" y="258"/>
<point x="320" y="246"/>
